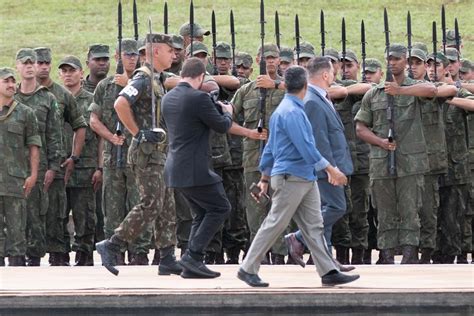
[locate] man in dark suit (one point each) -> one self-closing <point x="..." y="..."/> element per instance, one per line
<point x="328" y="132"/>
<point x="190" y="114"/>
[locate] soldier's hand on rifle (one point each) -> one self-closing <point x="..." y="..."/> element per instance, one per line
<point x="392" y="88"/>
<point x="121" y="79"/>
<point x="335" y="176"/>
<point x="48" y="179"/>
<point x="264" y="81"/>
<point x="255" y="135"/>
<point x="97" y="180"/>
<point x="117" y="140"/>
<point x="387" y="145"/>
<point x="149" y="136"/>
<point x="226" y="107"/>
<point x="28" y="185"/>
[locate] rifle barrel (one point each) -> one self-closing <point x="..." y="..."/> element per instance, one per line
<point x="165" y="18"/>
<point x="297" y="38"/>
<point x="363" y="52"/>
<point x="443" y="27"/>
<point x="323" y="33"/>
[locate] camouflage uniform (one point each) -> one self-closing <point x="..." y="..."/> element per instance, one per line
<point x="246" y="101"/>
<point x="47" y="112"/>
<point x="119" y="189"/>
<point x="147" y="162"/>
<point x="18" y="131"/>
<point x="397" y="198"/>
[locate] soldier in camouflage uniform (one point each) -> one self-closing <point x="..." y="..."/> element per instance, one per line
<point x="246" y="101"/>
<point x="98" y="62"/>
<point x="466" y="72"/>
<point x="178" y="45"/>
<point x="18" y="134"/>
<point x="47" y="113"/>
<point x="306" y="53"/>
<point x="398" y="198"/>
<point x="146" y="155"/>
<point x="243" y="65"/>
<point x="286" y="59"/>
<point x="87" y="176"/>
<point x="57" y="217"/>
<point x="120" y="192"/>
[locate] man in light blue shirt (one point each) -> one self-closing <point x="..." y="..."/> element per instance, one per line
<point x="291" y="160"/>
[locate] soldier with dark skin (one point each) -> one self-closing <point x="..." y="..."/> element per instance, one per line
<point x="243" y="65"/>
<point x="47" y="112"/>
<point x="19" y="147"/>
<point x="87" y="176"/>
<point x="98" y="62"/>
<point x="119" y="188"/>
<point x="57" y="217"/>
<point x="178" y="46"/>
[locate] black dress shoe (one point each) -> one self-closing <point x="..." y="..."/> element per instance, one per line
<point x="108" y="253"/>
<point x="187" y="274"/>
<point x="251" y="279"/>
<point x="197" y="267"/>
<point x="335" y="277"/>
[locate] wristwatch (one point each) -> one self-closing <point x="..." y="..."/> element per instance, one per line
<point x="277" y="83"/>
<point x="75" y="159"/>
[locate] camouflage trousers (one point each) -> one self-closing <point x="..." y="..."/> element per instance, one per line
<point x="119" y="195"/>
<point x="256" y="214"/>
<point x="156" y="207"/>
<point x="36" y="209"/>
<point x="429" y="212"/>
<point x="467" y="236"/>
<point x="56" y="217"/>
<point x="372" y="221"/>
<point x="12" y="226"/>
<point x="451" y="214"/>
<point x="184" y="219"/>
<point x="81" y="201"/>
<point x="99" y="234"/>
<point x="398" y="202"/>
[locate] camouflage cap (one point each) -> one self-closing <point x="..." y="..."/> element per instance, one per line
<point x="451" y="38"/>
<point x="159" y="38"/>
<point x="43" y="54"/>
<point x="269" y="50"/>
<point x="440" y="57"/>
<point x="72" y="61"/>
<point x="178" y="41"/>
<point x="331" y="53"/>
<point x="25" y="54"/>
<point x="372" y="65"/>
<point x="198" y="47"/>
<point x="129" y="46"/>
<point x="223" y="50"/>
<point x="243" y="59"/>
<point x="185" y="30"/>
<point x="397" y="50"/>
<point x="98" y="51"/>
<point x="141" y="44"/>
<point x="286" y="54"/>
<point x="466" y="65"/>
<point x="420" y="45"/>
<point x="350" y="56"/>
<point x="418" y="53"/>
<point x="306" y="50"/>
<point x="6" y="72"/>
<point x="452" y="53"/>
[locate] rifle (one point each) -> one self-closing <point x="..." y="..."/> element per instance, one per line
<point x="323" y="33"/>
<point x="277" y="29"/>
<point x="191" y="26"/>
<point x="135" y="28"/>
<point x="263" y="71"/>
<point x="119" y="70"/>
<point x="343" y="40"/>
<point x="457" y="37"/>
<point x="297" y="38"/>
<point x="443" y="27"/>
<point x="392" y="167"/>
<point x="165" y="18"/>
<point x="213" y="30"/>
<point x="232" y="43"/>
<point x="435" y="43"/>
<point x="409" y="47"/>
<point x="363" y="53"/>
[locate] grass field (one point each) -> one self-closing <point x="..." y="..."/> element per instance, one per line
<point x="68" y="26"/>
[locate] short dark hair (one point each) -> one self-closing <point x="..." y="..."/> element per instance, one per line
<point x="318" y="64"/>
<point x="192" y="68"/>
<point x="296" y="79"/>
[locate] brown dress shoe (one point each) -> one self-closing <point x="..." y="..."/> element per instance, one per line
<point x="295" y="249"/>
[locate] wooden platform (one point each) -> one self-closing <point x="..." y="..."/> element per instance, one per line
<point x="138" y="290"/>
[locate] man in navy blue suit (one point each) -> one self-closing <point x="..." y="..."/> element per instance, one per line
<point x="328" y="132"/>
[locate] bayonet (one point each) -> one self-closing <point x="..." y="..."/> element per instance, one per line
<point x="214" y="43"/>
<point x="191" y="26"/>
<point x="443" y="27"/>
<point x="119" y="70"/>
<point x="363" y="52"/>
<point x="392" y="167"/>
<point x="263" y="71"/>
<point x="323" y="33"/>
<point x="297" y="38"/>
<point x="343" y="40"/>
<point x="232" y="43"/>
<point x="457" y="37"/>
<point x="409" y="47"/>
<point x="165" y="18"/>
<point x="277" y="29"/>
<point x="435" y="48"/>
<point x="135" y="20"/>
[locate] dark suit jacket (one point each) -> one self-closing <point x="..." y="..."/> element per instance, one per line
<point x="328" y="132"/>
<point x="189" y="115"/>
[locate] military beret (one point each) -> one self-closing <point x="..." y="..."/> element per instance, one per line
<point x="6" y="72"/>
<point x="350" y="56"/>
<point x="223" y="50"/>
<point x="243" y="59"/>
<point x="372" y="65"/>
<point x="98" y="51"/>
<point x="25" y="54"/>
<point x="198" y="47"/>
<point x="72" y="61"/>
<point x="185" y="30"/>
<point x="269" y="50"/>
<point x="43" y="54"/>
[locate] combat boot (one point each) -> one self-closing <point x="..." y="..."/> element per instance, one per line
<point x="232" y="256"/>
<point x="156" y="258"/>
<point x="357" y="256"/>
<point x="277" y="259"/>
<point x="410" y="254"/>
<point x="342" y="254"/>
<point x="33" y="261"/>
<point x="425" y="256"/>
<point x="2" y="261"/>
<point x="121" y="259"/>
<point x="16" y="261"/>
<point x="65" y="259"/>
<point x="368" y="256"/>
<point x="109" y="251"/>
<point x="139" y="259"/>
<point x="80" y="259"/>
<point x="462" y="259"/>
<point x="447" y="259"/>
<point x="90" y="259"/>
<point x="266" y="259"/>
<point x="386" y="257"/>
<point x="220" y="258"/>
<point x="168" y="264"/>
<point x="55" y="259"/>
<point x="210" y="257"/>
<point x="310" y="260"/>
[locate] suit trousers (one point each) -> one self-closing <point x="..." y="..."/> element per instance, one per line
<point x="210" y="208"/>
<point x="299" y="199"/>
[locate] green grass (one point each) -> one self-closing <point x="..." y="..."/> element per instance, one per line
<point x="68" y="27"/>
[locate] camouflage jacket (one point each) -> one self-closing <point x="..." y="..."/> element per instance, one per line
<point x="17" y="131"/>
<point x="246" y="101"/>
<point x="411" y="154"/>
<point x="362" y="149"/>
<point x="47" y="113"/>
<point x="88" y="85"/>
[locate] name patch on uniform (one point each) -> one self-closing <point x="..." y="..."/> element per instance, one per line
<point x="130" y="91"/>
